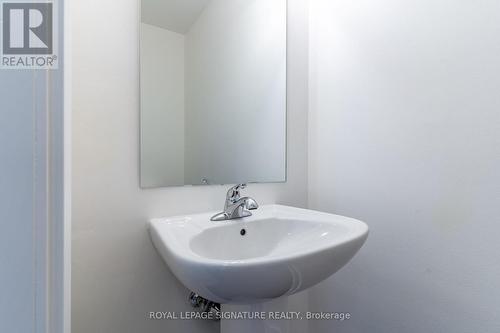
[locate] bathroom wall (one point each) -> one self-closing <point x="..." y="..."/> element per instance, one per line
<point x="235" y="75"/>
<point x="117" y="275"/>
<point x="162" y="106"/>
<point x="405" y="135"/>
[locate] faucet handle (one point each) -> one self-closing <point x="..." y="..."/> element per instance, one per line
<point x="233" y="194"/>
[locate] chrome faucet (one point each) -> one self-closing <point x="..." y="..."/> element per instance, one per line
<point x="235" y="206"/>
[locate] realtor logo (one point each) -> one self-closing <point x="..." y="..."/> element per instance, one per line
<point x="28" y="35"/>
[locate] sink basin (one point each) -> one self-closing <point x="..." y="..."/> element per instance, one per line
<point x="276" y="252"/>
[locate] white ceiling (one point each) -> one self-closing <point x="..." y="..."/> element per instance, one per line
<point x="173" y="15"/>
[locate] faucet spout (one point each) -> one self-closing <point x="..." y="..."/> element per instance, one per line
<point x="250" y="203"/>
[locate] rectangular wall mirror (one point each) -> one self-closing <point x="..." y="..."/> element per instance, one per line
<point x="213" y="92"/>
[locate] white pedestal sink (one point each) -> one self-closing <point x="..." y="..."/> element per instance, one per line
<point x="277" y="252"/>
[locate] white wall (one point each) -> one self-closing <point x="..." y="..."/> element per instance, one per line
<point x="405" y="135"/>
<point x="236" y="92"/>
<point x="117" y="275"/>
<point x="162" y="106"/>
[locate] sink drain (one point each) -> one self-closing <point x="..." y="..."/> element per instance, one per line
<point x="243" y="232"/>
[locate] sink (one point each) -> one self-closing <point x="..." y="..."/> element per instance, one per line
<point x="277" y="252"/>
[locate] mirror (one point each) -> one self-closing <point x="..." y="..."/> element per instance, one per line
<point x="213" y="92"/>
